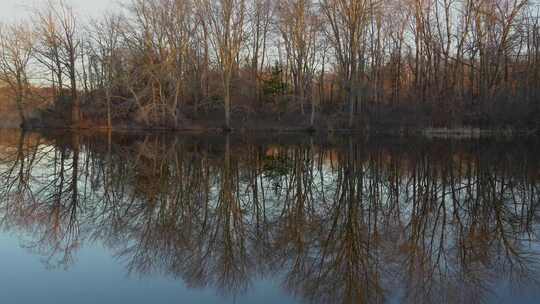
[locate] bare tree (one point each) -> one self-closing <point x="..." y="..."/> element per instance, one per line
<point x="48" y="50"/>
<point x="105" y="50"/>
<point x="299" y="27"/>
<point x="157" y="61"/>
<point x="347" y="20"/>
<point x="58" y="30"/>
<point x="16" y="45"/>
<point x="226" y="23"/>
<point x="261" y="13"/>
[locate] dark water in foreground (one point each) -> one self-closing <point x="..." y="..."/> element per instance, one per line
<point x="187" y="219"/>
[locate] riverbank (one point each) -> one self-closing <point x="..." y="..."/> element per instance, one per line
<point x="368" y="123"/>
<point x="429" y="132"/>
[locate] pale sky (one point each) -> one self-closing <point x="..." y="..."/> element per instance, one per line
<point x="15" y="9"/>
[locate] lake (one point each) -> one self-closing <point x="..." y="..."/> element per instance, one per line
<point x="266" y="218"/>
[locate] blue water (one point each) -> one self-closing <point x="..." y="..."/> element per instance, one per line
<point x="97" y="277"/>
<point x="154" y="219"/>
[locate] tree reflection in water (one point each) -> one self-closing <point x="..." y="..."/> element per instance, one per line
<point x="343" y="220"/>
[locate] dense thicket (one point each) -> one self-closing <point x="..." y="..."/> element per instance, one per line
<point x="321" y="63"/>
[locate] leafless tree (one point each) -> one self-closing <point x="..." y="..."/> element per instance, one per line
<point x="106" y="35"/>
<point x="155" y="62"/>
<point x="299" y="27"/>
<point x="346" y="27"/>
<point x="226" y="23"/>
<point x="16" y="46"/>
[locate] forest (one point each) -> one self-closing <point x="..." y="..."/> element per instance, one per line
<point x="275" y="64"/>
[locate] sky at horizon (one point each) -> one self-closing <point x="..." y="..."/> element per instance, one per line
<point x="13" y="10"/>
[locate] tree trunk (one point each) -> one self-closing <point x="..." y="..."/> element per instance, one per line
<point x="19" y="101"/>
<point x="312" y="117"/>
<point x="352" y="100"/>
<point x="20" y="109"/>
<point x="76" y="106"/>
<point x="227" y="99"/>
<point x="109" y="119"/>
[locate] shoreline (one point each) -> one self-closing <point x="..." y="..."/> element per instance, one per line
<point x="429" y="132"/>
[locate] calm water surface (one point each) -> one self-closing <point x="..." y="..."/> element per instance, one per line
<point x="159" y="218"/>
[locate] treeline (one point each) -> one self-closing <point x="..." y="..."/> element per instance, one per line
<point x="333" y="63"/>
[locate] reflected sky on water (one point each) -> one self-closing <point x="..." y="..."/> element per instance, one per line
<point x="264" y="219"/>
